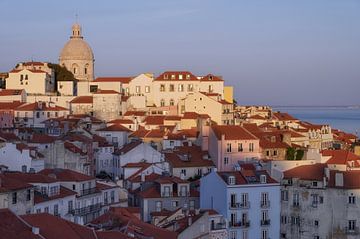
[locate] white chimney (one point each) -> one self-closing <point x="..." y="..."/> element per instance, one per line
<point x="35" y="230"/>
<point x="339" y="180"/>
<point x="142" y="177"/>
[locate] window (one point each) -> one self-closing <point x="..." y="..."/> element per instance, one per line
<point x="158" y="206"/>
<point x="172" y="102"/>
<point x="37" y="114"/>
<point x="48" y="114"/>
<point x="211" y="88"/>
<point x="296" y="199"/>
<point x="162" y="87"/>
<point x="162" y="102"/>
<point x="38" y="210"/>
<point x="264" y="215"/>
<point x="28" y="195"/>
<point x="190" y="87"/>
<point x="181" y="88"/>
<point x="251" y="147"/>
<point x="199" y="172"/>
<point x="171" y="88"/>
<point x="314" y="184"/>
<point x="175" y="204"/>
<point x="351" y="225"/>
<point x="315" y="200"/>
<point x="173" y="77"/>
<point x="70" y="206"/>
<point x="245" y="234"/>
<point x="73" y="187"/>
<point x="180" y="77"/>
<point x="244" y="199"/>
<point x="93" y="88"/>
<point x="264" y="199"/>
<point x="85" y="70"/>
<point x="112" y="196"/>
<point x="283" y="219"/>
<point x="316" y="223"/>
<point x="240" y="147"/>
<point x="147" y="89"/>
<point x="46" y="209"/>
<point x="137" y="89"/>
<point x="56" y="210"/>
<point x="233" y="200"/>
<point x="192" y="205"/>
<point x="284" y="195"/>
<point x="352" y="199"/>
<point x="264" y="234"/>
<point x="233" y="235"/>
<point x="14" y="198"/>
<point x="188" y="76"/>
<point x="183" y="172"/>
<point x="228" y="147"/>
<point x="226" y="160"/>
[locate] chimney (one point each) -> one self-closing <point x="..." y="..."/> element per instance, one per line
<point x="189" y="221"/>
<point x="339" y="180"/>
<point x="142" y="177"/>
<point x="35" y="230"/>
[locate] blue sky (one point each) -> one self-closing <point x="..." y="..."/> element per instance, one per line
<point x="274" y="52"/>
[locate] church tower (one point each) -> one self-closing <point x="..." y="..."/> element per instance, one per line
<point x="77" y="56"/>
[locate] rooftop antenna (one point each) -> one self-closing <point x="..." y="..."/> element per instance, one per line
<point x="76" y="18"/>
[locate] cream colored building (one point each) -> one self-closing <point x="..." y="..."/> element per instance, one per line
<point x="77" y="56"/>
<point x="32" y="81"/>
<point x="211" y="104"/>
<point x="107" y="104"/>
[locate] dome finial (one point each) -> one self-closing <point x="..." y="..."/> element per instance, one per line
<point x="76" y="29"/>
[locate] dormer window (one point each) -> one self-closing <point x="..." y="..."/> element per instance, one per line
<point x="180" y="77"/>
<point x="231" y="180"/>
<point x="173" y="77"/>
<point x="262" y="178"/>
<point x="188" y="76"/>
<point x="166" y="76"/>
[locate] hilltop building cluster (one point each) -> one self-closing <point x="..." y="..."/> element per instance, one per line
<point x="163" y="156"/>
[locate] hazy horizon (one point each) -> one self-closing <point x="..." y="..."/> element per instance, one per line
<point x="273" y="52"/>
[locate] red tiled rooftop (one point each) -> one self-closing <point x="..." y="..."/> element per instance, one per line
<point x="307" y="172"/>
<point x="66" y="175"/>
<point x="167" y="76"/>
<point x="124" y="80"/>
<point x="232" y="132"/>
<point x="9" y="92"/>
<point x="82" y="100"/>
<point x="36" y="107"/>
<point x="115" y="127"/>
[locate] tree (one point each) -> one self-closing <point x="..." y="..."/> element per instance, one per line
<point x="299" y="154"/>
<point x="290" y="153"/>
<point x="61" y="73"/>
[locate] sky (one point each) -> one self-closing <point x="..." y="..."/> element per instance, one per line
<point x="277" y="52"/>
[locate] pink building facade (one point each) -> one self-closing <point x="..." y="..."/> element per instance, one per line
<point x="229" y="144"/>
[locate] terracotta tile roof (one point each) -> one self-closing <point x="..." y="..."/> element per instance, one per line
<point x="224" y="102"/>
<point x="44" y="107"/>
<point x="155" y="133"/>
<point x="9" y="92"/>
<point x="135" y="113"/>
<point x="351" y="179"/>
<point x="73" y="148"/>
<point x="136" y="177"/>
<point x="64" y="192"/>
<point x="121" y="121"/>
<point x="154" y="120"/>
<point x="211" y="77"/>
<point x="82" y="100"/>
<point x="10" y="105"/>
<point x="137" y="165"/>
<point x="8" y="184"/>
<point x="307" y="172"/>
<point x="232" y="132"/>
<point x="30" y="177"/>
<point x="9" y="136"/>
<point x="127" y="147"/>
<point x="267" y="144"/>
<point x="167" y="76"/>
<point x="105" y="186"/>
<point x="252" y="127"/>
<point x="173" y="118"/>
<point x="190" y="115"/>
<point x="140" y="133"/>
<point x="124" y="80"/>
<point x="257" y="117"/>
<point x="246" y="176"/>
<point x="41" y="139"/>
<point x="187" y="157"/>
<point x="34" y="63"/>
<point x="115" y="127"/>
<point x="283" y="116"/>
<point x="132" y="224"/>
<point x="66" y="175"/>
<point x="31" y="70"/>
<point x="12" y="227"/>
<point x="344" y="157"/>
<point x="106" y="92"/>
<point x="52" y="227"/>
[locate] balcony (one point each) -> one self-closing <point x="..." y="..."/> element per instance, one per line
<point x="166" y="194"/>
<point x="265" y="222"/>
<point x="88" y="191"/>
<point x="184" y="193"/>
<point x="265" y="204"/>
<point x="242" y="224"/>
<point x="86" y="210"/>
<point x="352" y="230"/>
<point x="218" y="226"/>
<point x="240" y="205"/>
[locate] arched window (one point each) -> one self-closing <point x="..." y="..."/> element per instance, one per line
<point x="162" y="102"/>
<point x="86" y="69"/>
<point x="172" y="102"/>
<point x="75" y="69"/>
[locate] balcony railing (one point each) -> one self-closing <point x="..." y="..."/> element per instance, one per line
<point x="265" y="222"/>
<point x="166" y="194"/>
<point x="88" y="191"/>
<point x="352" y="231"/>
<point x="243" y="224"/>
<point x="184" y="193"/>
<point x="86" y="210"/>
<point x="218" y="226"/>
<point x="265" y="204"/>
<point x="240" y="205"/>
